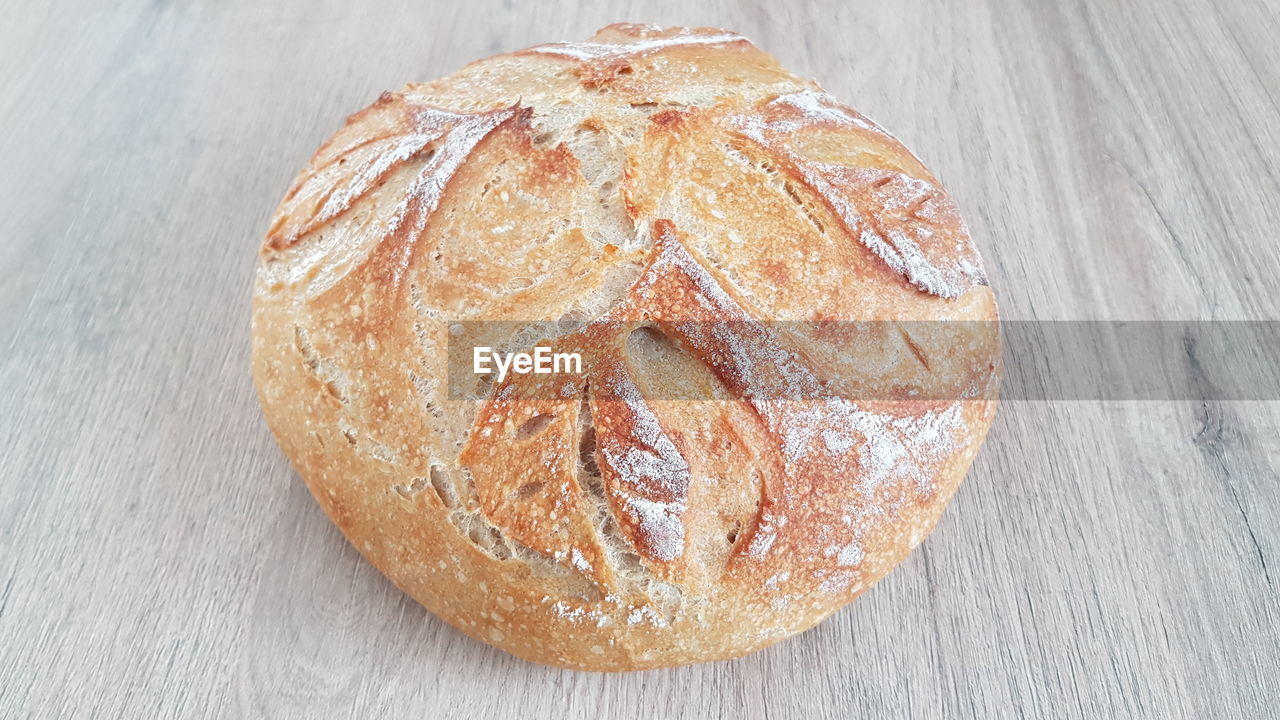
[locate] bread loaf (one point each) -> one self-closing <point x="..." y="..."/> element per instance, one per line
<point x="759" y="282"/>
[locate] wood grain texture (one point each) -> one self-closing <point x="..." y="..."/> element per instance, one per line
<point x="159" y="558"/>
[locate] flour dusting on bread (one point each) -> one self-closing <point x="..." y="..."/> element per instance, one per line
<point x="588" y="51"/>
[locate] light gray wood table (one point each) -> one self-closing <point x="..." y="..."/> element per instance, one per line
<point x="1116" y="160"/>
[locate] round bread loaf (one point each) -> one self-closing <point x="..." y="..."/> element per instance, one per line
<point x="787" y="345"/>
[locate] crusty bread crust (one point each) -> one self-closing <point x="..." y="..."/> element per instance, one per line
<point x="666" y="195"/>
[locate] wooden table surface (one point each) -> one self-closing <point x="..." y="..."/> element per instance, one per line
<point x="1116" y="160"/>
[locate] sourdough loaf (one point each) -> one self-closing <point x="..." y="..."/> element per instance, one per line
<point x="760" y="283"/>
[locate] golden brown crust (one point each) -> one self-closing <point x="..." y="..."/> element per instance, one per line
<point x="667" y="195"/>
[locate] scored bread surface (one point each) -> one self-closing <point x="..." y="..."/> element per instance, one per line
<point x="771" y="412"/>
